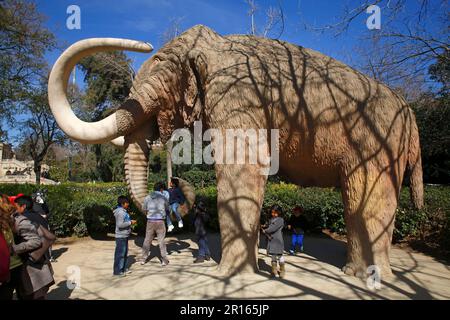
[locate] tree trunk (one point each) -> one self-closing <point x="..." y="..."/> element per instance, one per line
<point x="98" y="161"/>
<point x="37" y="171"/>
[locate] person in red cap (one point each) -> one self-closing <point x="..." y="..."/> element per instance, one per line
<point x="13" y="198"/>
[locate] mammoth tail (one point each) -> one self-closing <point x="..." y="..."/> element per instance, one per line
<point x="414" y="167"/>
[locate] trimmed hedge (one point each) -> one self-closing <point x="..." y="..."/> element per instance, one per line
<point x="86" y="209"/>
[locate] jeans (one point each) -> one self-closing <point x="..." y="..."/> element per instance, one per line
<point x="297" y="239"/>
<point x="158" y="228"/>
<point x="174" y="208"/>
<point x="120" y="255"/>
<point x="203" y="249"/>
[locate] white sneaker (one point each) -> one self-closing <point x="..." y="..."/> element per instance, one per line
<point x="164" y="262"/>
<point x="180" y="224"/>
<point x="170" y="229"/>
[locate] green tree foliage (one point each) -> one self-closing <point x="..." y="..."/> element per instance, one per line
<point x="23" y="43"/>
<point x="108" y="77"/>
<point x="40" y="131"/>
<point x="433" y="118"/>
<point x="440" y="72"/>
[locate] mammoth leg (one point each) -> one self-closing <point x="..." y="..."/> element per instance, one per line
<point x="240" y="193"/>
<point x="370" y="201"/>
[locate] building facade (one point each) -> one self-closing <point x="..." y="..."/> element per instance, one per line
<point x="16" y="171"/>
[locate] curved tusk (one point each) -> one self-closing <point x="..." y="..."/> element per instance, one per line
<point x="85" y="132"/>
<point x="119" y="142"/>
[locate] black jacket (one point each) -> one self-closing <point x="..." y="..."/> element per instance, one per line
<point x="201" y="218"/>
<point x="41" y="208"/>
<point x="36" y="218"/>
<point x="176" y="196"/>
<point x="298" y="224"/>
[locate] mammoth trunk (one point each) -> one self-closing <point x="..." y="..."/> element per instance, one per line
<point x="136" y="170"/>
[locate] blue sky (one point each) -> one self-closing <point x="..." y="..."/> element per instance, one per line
<point x="147" y="19"/>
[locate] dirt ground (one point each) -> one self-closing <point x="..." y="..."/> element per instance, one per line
<point x="314" y="274"/>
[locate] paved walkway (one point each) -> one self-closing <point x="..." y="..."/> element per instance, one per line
<point x="314" y="274"/>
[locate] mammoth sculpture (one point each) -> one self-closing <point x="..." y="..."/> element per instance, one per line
<point x="337" y="127"/>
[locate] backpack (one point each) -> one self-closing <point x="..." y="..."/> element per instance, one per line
<point x="4" y="259"/>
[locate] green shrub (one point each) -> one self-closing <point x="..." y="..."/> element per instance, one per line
<point x="86" y="209"/>
<point x="199" y="179"/>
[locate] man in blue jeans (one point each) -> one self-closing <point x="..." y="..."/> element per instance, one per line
<point x="123" y="231"/>
<point x="297" y="224"/>
<point x="176" y="198"/>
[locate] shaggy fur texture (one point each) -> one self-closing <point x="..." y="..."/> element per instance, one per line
<point x="337" y="128"/>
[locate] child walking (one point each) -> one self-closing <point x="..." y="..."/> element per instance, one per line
<point x="297" y="224"/>
<point x="123" y="231"/>
<point x="275" y="245"/>
<point x="201" y="217"/>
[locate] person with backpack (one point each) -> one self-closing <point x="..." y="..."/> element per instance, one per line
<point x="31" y="245"/>
<point x="200" y="219"/>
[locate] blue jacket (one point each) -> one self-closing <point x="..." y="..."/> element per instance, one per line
<point x="123" y="223"/>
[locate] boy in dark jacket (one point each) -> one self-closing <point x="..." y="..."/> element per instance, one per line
<point x="297" y="224"/>
<point x="123" y="231"/>
<point x="275" y="245"/>
<point x="201" y="217"/>
<point x="176" y="198"/>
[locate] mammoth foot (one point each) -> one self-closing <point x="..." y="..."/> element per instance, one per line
<point x="351" y="269"/>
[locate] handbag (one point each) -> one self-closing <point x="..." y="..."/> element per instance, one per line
<point x="47" y="239"/>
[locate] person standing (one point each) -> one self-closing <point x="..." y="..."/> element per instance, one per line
<point x="156" y="206"/>
<point x="201" y="217"/>
<point x="40" y="207"/>
<point x="123" y="231"/>
<point x="297" y="224"/>
<point x="36" y="277"/>
<point x="275" y="245"/>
